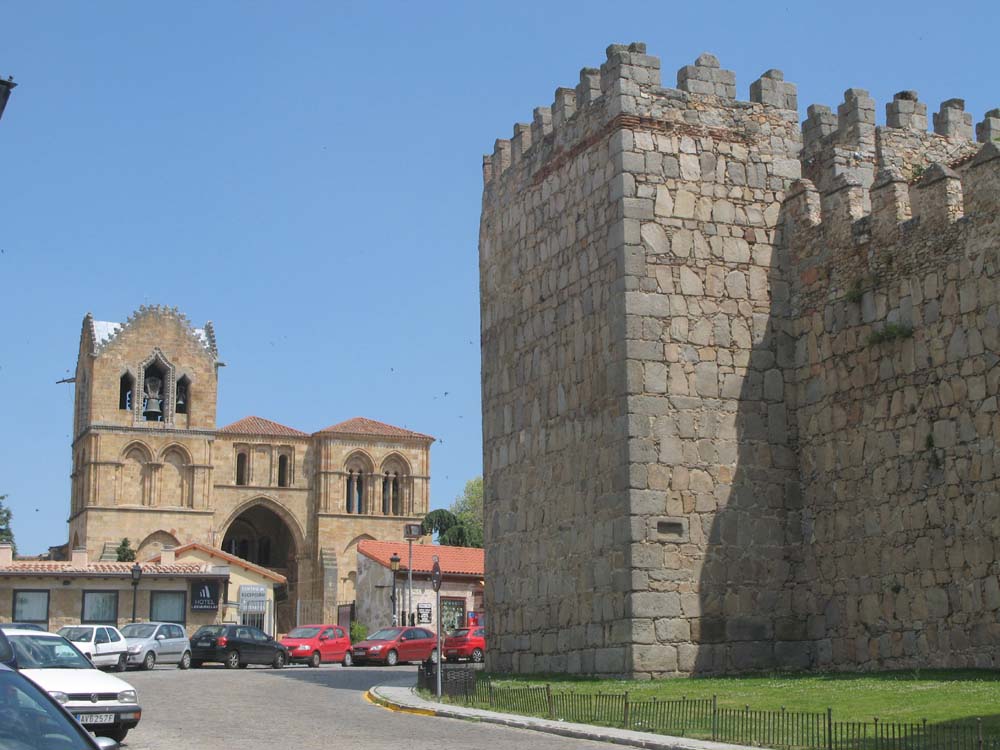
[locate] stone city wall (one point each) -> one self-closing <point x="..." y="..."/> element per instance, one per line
<point x="649" y="496"/>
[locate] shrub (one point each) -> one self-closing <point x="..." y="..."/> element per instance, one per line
<point x="890" y="332"/>
<point x="358" y="631"/>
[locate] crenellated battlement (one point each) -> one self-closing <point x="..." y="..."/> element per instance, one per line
<point x="819" y="225"/>
<point x="628" y="84"/>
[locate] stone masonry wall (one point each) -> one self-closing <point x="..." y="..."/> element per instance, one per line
<point x="651" y="419"/>
<point x="898" y="436"/>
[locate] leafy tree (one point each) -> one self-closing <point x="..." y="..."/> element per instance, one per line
<point x="468" y="507"/>
<point x="440" y="521"/>
<point x="125" y="552"/>
<point x="6" y="530"/>
<point x="358" y="631"/>
<point x="462" y="525"/>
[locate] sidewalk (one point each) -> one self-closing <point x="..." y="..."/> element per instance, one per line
<point x="406" y="699"/>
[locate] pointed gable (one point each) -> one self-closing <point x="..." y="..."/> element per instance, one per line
<point x="361" y="426"/>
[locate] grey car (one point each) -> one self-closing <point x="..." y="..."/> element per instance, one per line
<point x="152" y="642"/>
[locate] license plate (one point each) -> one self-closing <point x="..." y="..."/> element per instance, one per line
<point x="204" y="644"/>
<point x="96" y="718"/>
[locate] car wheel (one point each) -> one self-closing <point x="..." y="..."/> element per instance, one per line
<point x="122" y="663"/>
<point x="233" y="660"/>
<point x="315" y="660"/>
<point x="279" y="660"/>
<point x="392" y="659"/>
<point x="196" y="663"/>
<point x="149" y="661"/>
<point x="185" y="662"/>
<point x="477" y="655"/>
<point x="434" y="656"/>
<point x="348" y="659"/>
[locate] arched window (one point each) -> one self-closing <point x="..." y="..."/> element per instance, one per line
<point x="396" y="499"/>
<point x="125" y="388"/>
<point x="386" y="492"/>
<point x="283" y="471"/>
<point x="359" y="493"/>
<point x="241" y="468"/>
<point x="183" y="400"/>
<point x="349" y="492"/>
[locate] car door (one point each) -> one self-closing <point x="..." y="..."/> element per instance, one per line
<point x="180" y="641"/>
<point x="265" y="646"/>
<point x="164" y="646"/>
<point x="248" y="648"/>
<point x="102" y="647"/>
<point x="343" y="643"/>
<point x="328" y="644"/>
<point x="118" y="644"/>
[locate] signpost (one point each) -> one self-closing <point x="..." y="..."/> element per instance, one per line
<point x="411" y="531"/>
<point x="436" y="583"/>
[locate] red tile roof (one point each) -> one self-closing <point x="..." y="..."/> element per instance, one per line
<point x="455" y="560"/>
<point x="364" y="426"/>
<point x="68" y="568"/>
<point x="246" y="564"/>
<point x="261" y="426"/>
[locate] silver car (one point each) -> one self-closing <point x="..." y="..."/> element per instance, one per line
<point x="152" y="642"/>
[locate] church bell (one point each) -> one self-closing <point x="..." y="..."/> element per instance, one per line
<point x="151" y="411"/>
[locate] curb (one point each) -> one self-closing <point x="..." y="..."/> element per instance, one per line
<point x="571" y="730"/>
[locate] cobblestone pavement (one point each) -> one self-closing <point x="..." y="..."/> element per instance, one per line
<point x="298" y="708"/>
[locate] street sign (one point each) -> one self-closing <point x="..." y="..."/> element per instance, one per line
<point x="252" y="599"/>
<point x="413" y="531"/>
<point x="436" y="575"/>
<point x="423" y="614"/>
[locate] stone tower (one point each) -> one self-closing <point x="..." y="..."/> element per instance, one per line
<point x="646" y="343"/>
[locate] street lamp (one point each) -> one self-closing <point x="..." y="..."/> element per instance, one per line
<point x="136" y="575"/>
<point x="394" y="566"/>
<point x="411" y="531"/>
<point x="5" y="88"/>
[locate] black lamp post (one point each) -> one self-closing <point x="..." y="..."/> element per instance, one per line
<point x="394" y="566"/>
<point x="136" y="575"/>
<point x="5" y="88"/>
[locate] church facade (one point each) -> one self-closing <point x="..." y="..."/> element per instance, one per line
<point x="150" y="464"/>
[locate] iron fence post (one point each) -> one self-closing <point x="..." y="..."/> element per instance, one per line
<point x="829" y="728"/>
<point x="626" y="724"/>
<point x="548" y="698"/>
<point x="979" y="732"/>
<point x="715" y="718"/>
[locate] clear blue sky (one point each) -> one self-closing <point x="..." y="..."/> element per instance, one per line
<point x="307" y="175"/>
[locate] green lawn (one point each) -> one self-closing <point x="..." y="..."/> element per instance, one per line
<point x="937" y="696"/>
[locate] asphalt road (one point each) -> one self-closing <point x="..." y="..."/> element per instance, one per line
<point x="298" y="708"/>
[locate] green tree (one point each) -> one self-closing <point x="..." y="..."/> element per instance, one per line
<point x="6" y="530"/>
<point x="462" y="524"/>
<point x="124" y="551"/>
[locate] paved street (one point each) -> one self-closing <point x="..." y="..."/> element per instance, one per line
<point x="298" y="708"/>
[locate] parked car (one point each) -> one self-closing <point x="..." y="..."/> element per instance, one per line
<point x="465" y="643"/>
<point x="152" y="642"/>
<point x="315" y="644"/>
<point x="30" y="719"/>
<point x="6" y="652"/>
<point x="104" y="645"/>
<point x="103" y="703"/>
<point x="236" y="646"/>
<point x="22" y="626"/>
<point x="391" y="646"/>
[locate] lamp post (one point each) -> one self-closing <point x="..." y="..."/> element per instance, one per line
<point x="5" y="88"/>
<point x="411" y="531"/>
<point x="394" y="566"/>
<point x="136" y="575"/>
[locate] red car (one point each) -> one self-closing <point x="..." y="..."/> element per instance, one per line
<point x="465" y="643"/>
<point x="315" y="644"/>
<point x="391" y="646"/>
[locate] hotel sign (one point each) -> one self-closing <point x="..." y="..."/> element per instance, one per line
<point x="204" y="596"/>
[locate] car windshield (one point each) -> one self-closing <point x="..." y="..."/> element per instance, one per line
<point x="5" y="651"/>
<point x="210" y="631"/>
<point x="303" y="633"/>
<point x="77" y="635"/>
<point x="47" y="652"/>
<point x="31" y="720"/>
<point x="385" y="634"/>
<point x="459" y="633"/>
<point x="139" y="630"/>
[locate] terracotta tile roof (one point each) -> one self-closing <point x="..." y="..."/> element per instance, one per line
<point x="455" y="560"/>
<point x="364" y="426"/>
<point x="233" y="559"/>
<point x="67" y="568"/>
<point x="260" y="426"/>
